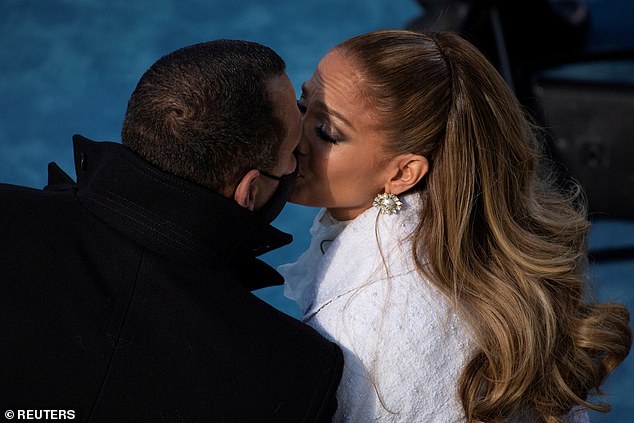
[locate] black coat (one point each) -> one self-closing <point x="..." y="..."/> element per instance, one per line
<point x="126" y="298"/>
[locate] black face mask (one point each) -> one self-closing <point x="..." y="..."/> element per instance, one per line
<point x="272" y="208"/>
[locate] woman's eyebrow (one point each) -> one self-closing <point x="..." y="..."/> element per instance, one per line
<point x="328" y="110"/>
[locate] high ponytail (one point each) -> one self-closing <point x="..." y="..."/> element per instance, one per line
<point x="496" y="236"/>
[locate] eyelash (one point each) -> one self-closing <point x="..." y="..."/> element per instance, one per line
<point x="319" y="130"/>
<point x="321" y="133"/>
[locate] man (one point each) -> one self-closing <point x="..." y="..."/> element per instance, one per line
<point x="125" y="296"/>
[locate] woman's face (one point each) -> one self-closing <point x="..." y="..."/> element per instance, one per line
<point x="340" y="149"/>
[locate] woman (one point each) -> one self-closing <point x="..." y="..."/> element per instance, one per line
<point x="462" y="298"/>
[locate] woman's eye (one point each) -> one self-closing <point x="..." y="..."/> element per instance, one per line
<point x="301" y="106"/>
<point x="322" y="133"/>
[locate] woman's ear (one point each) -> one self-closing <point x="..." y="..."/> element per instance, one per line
<point x="406" y="171"/>
<point x="246" y="189"/>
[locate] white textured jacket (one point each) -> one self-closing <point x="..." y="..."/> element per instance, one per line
<point x="404" y="347"/>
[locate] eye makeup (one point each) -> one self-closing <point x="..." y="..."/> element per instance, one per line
<point x="326" y="133"/>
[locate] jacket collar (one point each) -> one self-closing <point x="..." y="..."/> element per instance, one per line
<point x="170" y="215"/>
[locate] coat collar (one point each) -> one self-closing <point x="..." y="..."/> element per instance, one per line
<point x="170" y="215"/>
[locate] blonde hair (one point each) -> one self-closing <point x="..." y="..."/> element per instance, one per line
<point x="504" y="243"/>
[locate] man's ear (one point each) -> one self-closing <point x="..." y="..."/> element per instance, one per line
<point x="246" y="189"/>
<point x="406" y="171"/>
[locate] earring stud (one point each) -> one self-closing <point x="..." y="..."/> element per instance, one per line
<point x="387" y="203"/>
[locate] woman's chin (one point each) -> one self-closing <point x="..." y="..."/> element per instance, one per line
<point x="300" y="193"/>
<point x="303" y="197"/>
<point x="300" y="201"/>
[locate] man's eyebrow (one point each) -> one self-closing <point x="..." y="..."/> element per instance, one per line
<point x="327" y="109"/>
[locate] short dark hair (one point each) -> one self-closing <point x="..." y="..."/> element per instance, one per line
<point x="204" y="112"/>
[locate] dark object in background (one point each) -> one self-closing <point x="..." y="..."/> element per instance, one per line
<point x="571" y="64"/>
<point x="591" y="121"/>
<point x="518" y="38"/>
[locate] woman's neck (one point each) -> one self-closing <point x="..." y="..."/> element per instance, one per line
<point x="344" y="214"/>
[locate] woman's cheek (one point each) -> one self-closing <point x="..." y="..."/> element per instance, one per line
<point x="320" y="160"/>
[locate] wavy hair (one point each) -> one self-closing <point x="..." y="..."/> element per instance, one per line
<point x="497" y="236"/>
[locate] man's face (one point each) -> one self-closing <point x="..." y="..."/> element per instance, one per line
<point x="282" y="96"/>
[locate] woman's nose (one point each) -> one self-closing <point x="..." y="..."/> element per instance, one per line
<point x="303" y="147"/>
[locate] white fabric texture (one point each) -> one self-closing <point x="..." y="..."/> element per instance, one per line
<point x="397" y="332"/>
<point x="404" y="347"/>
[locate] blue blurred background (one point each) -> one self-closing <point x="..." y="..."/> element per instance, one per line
<point x="69" y="67"/>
